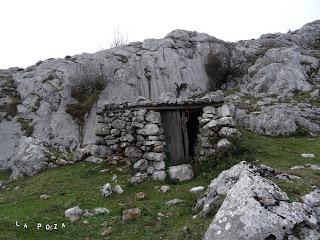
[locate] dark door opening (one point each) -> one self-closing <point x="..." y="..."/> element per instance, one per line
<point x="180" y="130"/>
<point x="192" y="122"/>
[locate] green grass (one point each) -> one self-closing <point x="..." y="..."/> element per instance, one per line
<point x="281" y="152"/>
<point x="248" y="102"/>
<point x="304" y="97"/>
<point x="79" y="184"/>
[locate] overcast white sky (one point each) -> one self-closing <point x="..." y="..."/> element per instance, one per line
<point x="33" y="30"/>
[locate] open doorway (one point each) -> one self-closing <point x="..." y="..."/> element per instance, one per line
<point x="192" y="123"/>
<point x="180" y="129"/>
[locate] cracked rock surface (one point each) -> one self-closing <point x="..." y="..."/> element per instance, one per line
<point x="34" y="101"/>
<point x="255" y="208"/>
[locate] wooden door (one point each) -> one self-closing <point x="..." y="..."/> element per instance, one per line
<point x="175" y="131"/>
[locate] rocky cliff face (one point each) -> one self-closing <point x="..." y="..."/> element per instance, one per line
<point x="277" y="73"/>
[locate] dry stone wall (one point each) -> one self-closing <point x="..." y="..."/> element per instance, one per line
<point x="135" y="137"/>
<point x="217" y="131"/>
<point x="133" y="134"/>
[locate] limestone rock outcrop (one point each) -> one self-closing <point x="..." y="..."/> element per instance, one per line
<point x="255" y="208"/>
<point x="41" y="102"/>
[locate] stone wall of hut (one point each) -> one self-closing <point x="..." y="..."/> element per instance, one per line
<point x="136" y="137"/>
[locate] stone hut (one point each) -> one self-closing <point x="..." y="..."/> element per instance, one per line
<point x="152" y="136"/>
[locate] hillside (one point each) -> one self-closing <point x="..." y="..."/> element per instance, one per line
<point x="275" y="73"/>
<point x="241" y="119"/>
<point x="80" y="184"/>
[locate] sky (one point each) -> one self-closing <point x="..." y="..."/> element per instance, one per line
<point x="32" y="30"/>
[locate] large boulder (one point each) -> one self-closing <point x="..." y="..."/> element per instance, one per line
<point x="255" y="208"/>
<point x="281" y="119"/>
<point x="281" y="71"/>
<point x="181" y="173"/>
<point x="312" y="199"/>
<point x="163" y="70"/>
<point x="29" y="159"/>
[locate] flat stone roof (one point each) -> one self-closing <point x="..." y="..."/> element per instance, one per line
<point x="211" y="98"/>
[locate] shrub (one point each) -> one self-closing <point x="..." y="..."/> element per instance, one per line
<point x="9" y="89"/>
<point x="87" y="82"/>
<point x="217" y="70"/>
<point x="26" y="126"/>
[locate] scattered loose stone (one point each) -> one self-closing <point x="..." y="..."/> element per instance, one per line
<point x="161" y="215"/>
<point x="104" y="171"/>
<point x="44" y="196"/>
<point x="130" y="214"/>
<point x="117" y="189"/>
<point x="73" y="214"/>
<point x="87" y="213"/>
<point x="2" y="185"/>
<point x="140" y="195"/>
<point x="164" y="188"/>
<point x="106" y="232"/>
<point x="80" y="154"/>
<point x="197" y="189"/>
<point x="159" y="176"/>
<point x="315" y="167"/>
<point x="114" y="178"/>
<point x="181" y="173"/>
<point x="185" y="229"/>
<point x="93" y="159"/>
<point x="61" y="162"/>
<point x="106" y="190"/>
<point x="138" y="178"/>
<point x="101" y="211"/>
<point x="307" y="155"/>
<point x="297" y="167"/>
<point x="173" y="201"/>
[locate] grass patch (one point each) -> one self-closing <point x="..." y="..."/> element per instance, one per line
<point x="294" y="189"/>
<point x="248" y="102"/>
<point x="87" y="82"/>
<point x="4" y="175"/>
<point x="54" y="154"/>
<point x="231" y="91"/>
<point x="83" y="106"/>
<point x="281" y="152"/>
<point x="79" y="184"/>
<point x="304" y="97"/>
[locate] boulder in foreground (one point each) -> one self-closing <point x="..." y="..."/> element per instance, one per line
<point x="255" y="208"/>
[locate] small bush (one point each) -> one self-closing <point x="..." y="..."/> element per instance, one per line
<point x="223" y="160"/>
<point x="9" y="89"/>
<point x="26" y="126"/>
<point x="217" y="70"/>
<point x="87" y="82"/>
